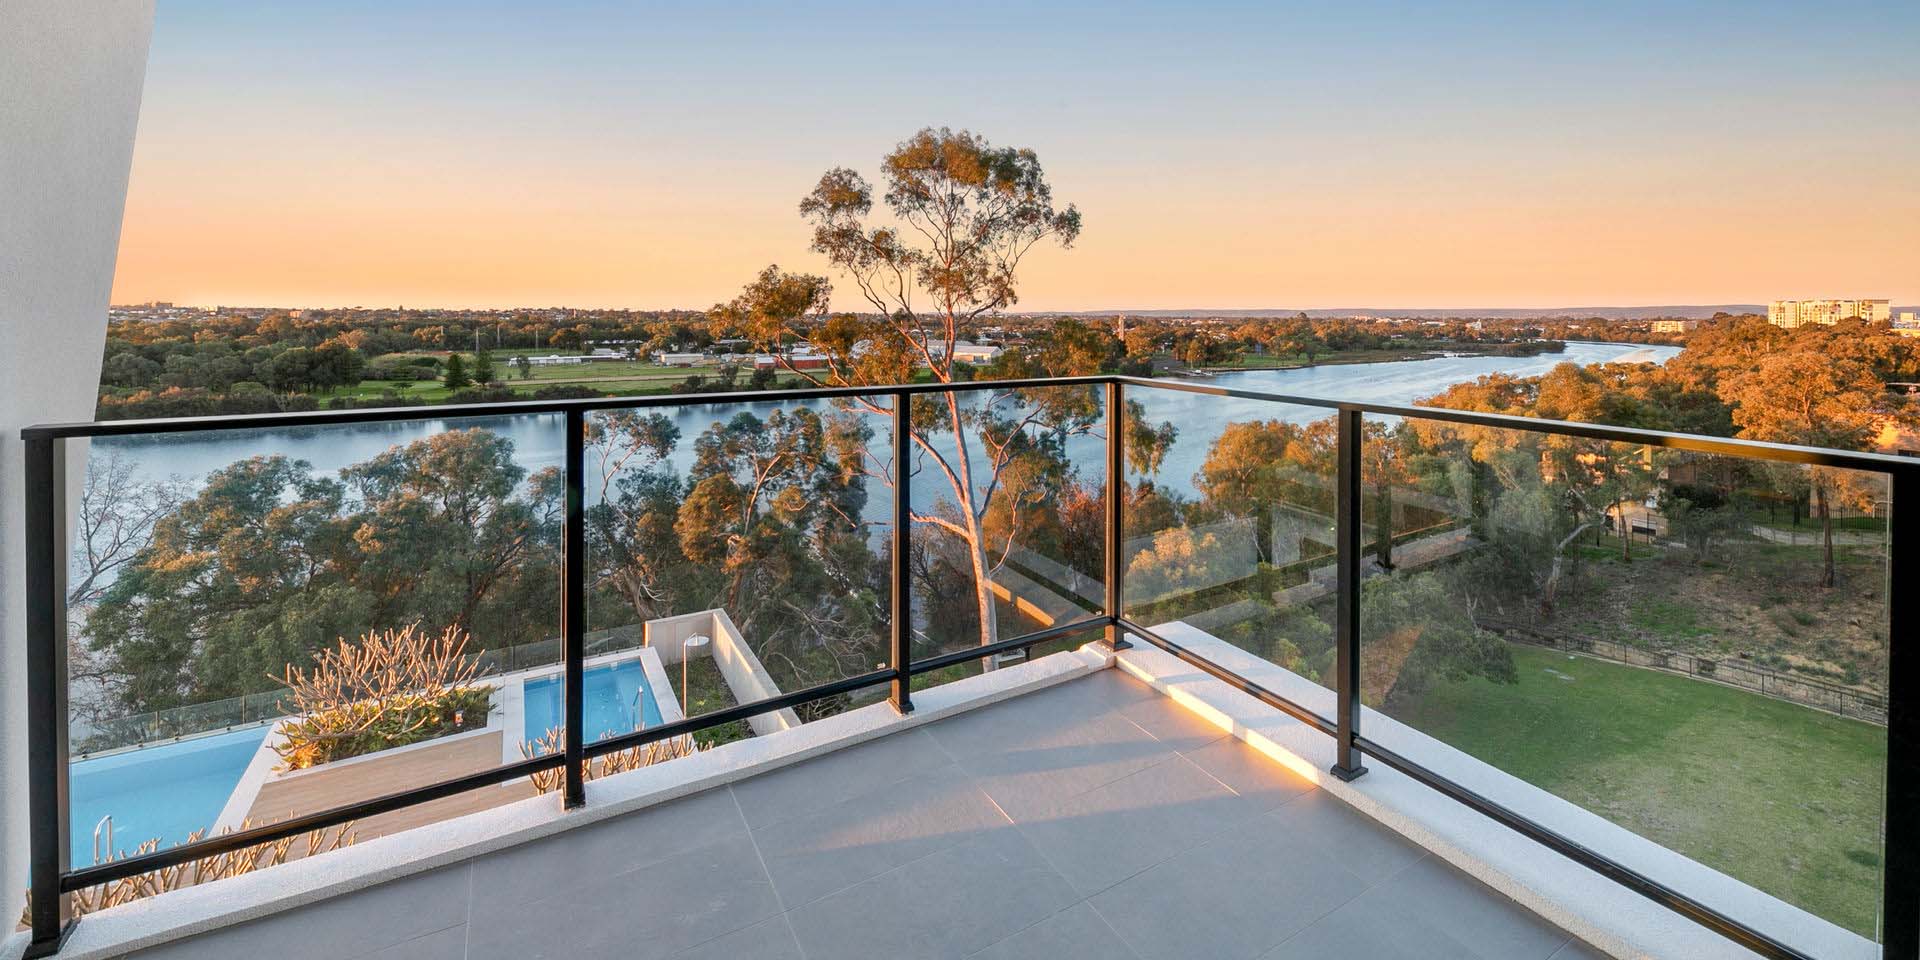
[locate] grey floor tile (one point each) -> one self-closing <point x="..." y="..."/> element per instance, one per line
<point x="813" y="855"/>
<point x="448" y="944"/>
<point x="655" y="911"/>
<point x="1232" y="898"/>
<point x="1348" y="837"/>
<point x="1172" y="724"/>
<point x="1076" y="933"/>
<point x="353" y="925"/>
<point x="1250" y="773"/>
<point x="770" y="939"/>
<point x="508" y="880"/>
<point x="1056" y="762"/>
<point x="1435" y="896"/>
<point x="1350" y="933"/>
<point x="948" y="905"/>
<point x="1114" y="831"/>
<point x="1087" y="700"/>
<point x="839" y="776"/>
<point x="1578" y="950"/>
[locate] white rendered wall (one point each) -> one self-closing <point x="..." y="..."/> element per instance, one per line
<point x="70" y="79"/>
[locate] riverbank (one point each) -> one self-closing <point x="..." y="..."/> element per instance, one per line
<point x="1431" y="351"/>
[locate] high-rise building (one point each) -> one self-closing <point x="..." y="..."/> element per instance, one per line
<point x="1799" y="313"/>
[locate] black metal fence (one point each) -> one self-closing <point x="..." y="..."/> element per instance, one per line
<point x="53" y="877"/>
<point x="1806" y="691"/>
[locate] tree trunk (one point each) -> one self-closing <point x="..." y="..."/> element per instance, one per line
<point x="976" y="540"/>
<point x="1626" y="532"/>
<point x="1826" y="536"/>
<point x="1383" y="521"/>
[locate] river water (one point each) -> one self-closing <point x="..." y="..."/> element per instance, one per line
<point x="1200" y="419"/>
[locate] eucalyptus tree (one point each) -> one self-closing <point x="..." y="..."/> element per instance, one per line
<point x="959" y="217"/>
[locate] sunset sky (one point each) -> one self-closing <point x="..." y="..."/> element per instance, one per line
<point x="1224" y="155"/>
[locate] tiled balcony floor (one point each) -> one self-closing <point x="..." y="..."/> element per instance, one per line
<point x="1094" y="819"/>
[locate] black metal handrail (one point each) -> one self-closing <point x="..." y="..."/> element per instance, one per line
<point x="52" y="875"/>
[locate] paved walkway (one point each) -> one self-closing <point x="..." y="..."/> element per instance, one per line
<point x="1093" y="820"/>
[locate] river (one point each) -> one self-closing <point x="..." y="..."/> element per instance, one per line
<point x="1199" y="418"/>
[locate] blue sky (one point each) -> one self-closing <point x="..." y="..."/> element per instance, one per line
<point x="1497" y="154"/>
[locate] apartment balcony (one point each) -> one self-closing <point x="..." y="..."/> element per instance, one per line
<point x="1290" y="724"/>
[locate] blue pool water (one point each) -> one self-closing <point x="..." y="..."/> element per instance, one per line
<point x="613" y="693"/>
<point x="167" y="790"/>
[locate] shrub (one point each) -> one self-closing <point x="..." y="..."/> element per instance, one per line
<point x="384" y="690"/>
<point x="607" y="764"/>
<point x="203" y="870"/>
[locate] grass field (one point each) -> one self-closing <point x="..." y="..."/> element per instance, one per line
<point x="1784" y="798"/>
<point x="612" y="377"/>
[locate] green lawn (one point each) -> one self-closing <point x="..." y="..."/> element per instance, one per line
<point x="629" y="380"/>
<point x="1784" y="798"/>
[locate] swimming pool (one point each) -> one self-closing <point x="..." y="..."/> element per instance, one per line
<point x="166" y="790"/>
<point x="618" y="700"/>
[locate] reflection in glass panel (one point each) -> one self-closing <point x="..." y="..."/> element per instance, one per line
<point x="736" y="552"/>
<point x="270" y="623"/>
<point x="1011" y="522"/>
<point x="1229" y="523"/>
<point x="1691" y="646"/>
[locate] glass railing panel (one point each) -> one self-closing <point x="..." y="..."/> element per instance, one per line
<point x="1229" y="523"/>
<point x="1009" y="518"/>
<point x="736" y="552"/>
<point x="268" y="623"/>
<point x="1691" y="646"/>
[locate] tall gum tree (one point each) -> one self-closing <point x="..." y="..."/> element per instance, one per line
<point x="1821" y="401"/>
<point x="960" y="215"/>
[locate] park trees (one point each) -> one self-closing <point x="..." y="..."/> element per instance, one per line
<point x="1823" y="401"/>
<point x="456" y="377"/>
<point x="239" y="580"/>
<point x="1546" y="489"/>
<point x="960" y="217"/>
<point x="269" y="562"/>
<point x="766" y="523"/>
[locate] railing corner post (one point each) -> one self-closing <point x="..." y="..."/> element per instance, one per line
<point x="900" y="655"/>
<point x="573" y="605"/>
<point x="1900" y="891"/>
<point x="47" y="801"/>
<point x="1347" y="598"/>
<point x="1116" y="516"/>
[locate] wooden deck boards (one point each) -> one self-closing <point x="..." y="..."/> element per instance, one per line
<point x="324" y="788"/>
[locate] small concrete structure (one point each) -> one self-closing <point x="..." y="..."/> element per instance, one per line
<point x="742" y="671"/>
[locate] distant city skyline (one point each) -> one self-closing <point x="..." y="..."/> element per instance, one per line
<point x="1226" y="157"/>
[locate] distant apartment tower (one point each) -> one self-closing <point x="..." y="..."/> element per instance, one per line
<point x="1675" y="326"/>
<point x="1907" y="324"/>
<point x="1800" y="313"/>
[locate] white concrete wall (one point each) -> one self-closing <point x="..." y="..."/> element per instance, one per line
<point x="70" y="79"/>
<point x="742" y="670"/>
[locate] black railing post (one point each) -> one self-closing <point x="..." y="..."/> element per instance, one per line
<point x="1900" y="893"/>
<point x="1116" y="514"/>
<point x="573" y="608"/>
<point x="47" y="810"/>
<point x="901" y="690"/>
<point x="1346" y="661"/>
